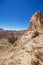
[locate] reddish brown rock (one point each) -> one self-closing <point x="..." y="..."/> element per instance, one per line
<point x="12" y="63"/>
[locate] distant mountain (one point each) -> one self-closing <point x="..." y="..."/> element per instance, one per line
<point x="6" y="33"/>
<point x="1" y="29"/>
<point x="28" y="50"/>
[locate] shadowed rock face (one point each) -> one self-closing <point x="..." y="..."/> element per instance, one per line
<point x="36" y="22"/>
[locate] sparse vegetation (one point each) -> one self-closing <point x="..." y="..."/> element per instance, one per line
<point x="5" y="45"/>
<point x="12" y="38"/>
<point x="28" y="51"/>
<point x="3" y="63"/>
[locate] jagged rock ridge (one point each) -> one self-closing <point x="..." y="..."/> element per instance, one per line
<point x="36" y="22"/>
<point x="29" y="51"/>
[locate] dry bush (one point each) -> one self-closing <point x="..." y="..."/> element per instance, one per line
<point x="12" y="38"/>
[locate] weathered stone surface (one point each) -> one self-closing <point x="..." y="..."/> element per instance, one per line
<point x="36" y="22"/>
<point x="30" y="48"/>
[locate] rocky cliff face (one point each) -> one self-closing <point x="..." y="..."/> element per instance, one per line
<point x="29" y="50"/>
<point x="36" y="22"/>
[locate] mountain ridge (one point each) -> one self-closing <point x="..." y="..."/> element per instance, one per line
<point x="29" y="49"/>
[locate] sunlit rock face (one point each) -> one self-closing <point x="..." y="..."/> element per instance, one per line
<point x="36" y="22"/>
<point x="29" y="49"/>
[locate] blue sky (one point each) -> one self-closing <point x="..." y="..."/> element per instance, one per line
<point x="15" y="14"/>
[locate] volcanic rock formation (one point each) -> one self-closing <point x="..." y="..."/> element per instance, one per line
<point x="30" y="48"/>
<point x="36" y="22"/>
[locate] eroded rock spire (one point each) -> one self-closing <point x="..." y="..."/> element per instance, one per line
<point x="36" y="22"/>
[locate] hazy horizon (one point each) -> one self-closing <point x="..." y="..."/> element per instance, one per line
<point x="15" y="14"/>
